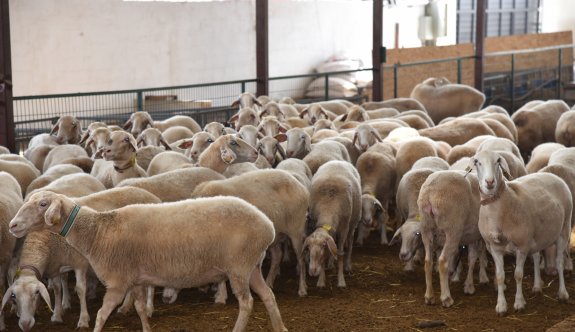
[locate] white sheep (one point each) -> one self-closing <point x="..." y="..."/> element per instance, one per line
<point x="452" y="224"/>
<point x="324" y="152"/>
<point x="97" y="140"/>
<point x="541" y="154"/>
<point x="68" y="154"/>
<point x="216" y="129"/>
<point x="199" y="229"/>
<point x="271" y="149"/>
<point x="282" y="198"/>
<point x="175" y="185"/>
<point x="298" y="143"/>
<point x="298" y="169"/>
<point x="247" y="99"/>
<point x="249" y="134"/>
<point x="68" y="130"/>
<point x="120" y="160"/>
<point x="153" y="137"/>
<point x="139" y="121"/>
<point x="21" y="171"/>
<point x="227" y="150"/>
<point x="168" y="161"/>
<point x="336" y="210"/>
<point x="175" y="133"/>
<point x="540" y="217"/>
<point x="245" y="116"/>
<point x="457" y="131"/>
<point x="400" y="104"/>
<point x="74" y="185"/>
<point x="565" y="130"/>
<point x="194" y="146"/>
<point x="52" y="174"/>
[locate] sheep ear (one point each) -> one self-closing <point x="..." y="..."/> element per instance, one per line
<point x="469" y="167"/>
<point x="281" y="137"/>
<point x="354" y="138"/>
<point x="343" y="117"/>
<point x="235" y="103"/>
<point x="6" y="298"/>
<point x="165" y="144"/>
<point x="281" y="151"/>
<point x="282" y="129"/>
<point x="45" y="295"/>
<point x="304" y="112"/>
<point x="504" y="168"/>
<point x="127" y="125"/>
<point x="98" y="154"/>
<point x="54" y="213"/>
<point x="84" y="137"/>
<point x="186" y="144"/>
<point x="396" y="237"/>
<point x="140" y="140"/>
<point x="264" y="112"/>
<point x="55" y="128"/>
<point x="131" y="141"/>
<point x="150" y="120"/>
<point x="376" y="135"/>
<point x="234" y="118"/>
<point x="257" y="102"/>
<point x="307" y="144"/>
<point x="332" y="246"/>
<point x="228" y="156"/>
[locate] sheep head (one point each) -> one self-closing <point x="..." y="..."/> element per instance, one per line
<point x="197" y="144"/>
<point x="410" y="236"/>
<point x="320" y="244"/>
<point x="67" y="130"/>
<point x="373" y="214"/>
<point x="91" y="127"/>
<point x="138" y="121"/>
<point x="153" y="137"/>
<point x="313" y="113"/>
<point x="268" y="147"/>
<point x="120" y="147"/>
<point x="272" y="109"/>
<point x="491" y="168"/>
<point x="249" y="134"/>
<point x="245" y="116"/>
<point x="298" y="143"/>
<point x="365" y="136"/>
<point x="216" y="129"/>
<point x="246" y="99"/>
<point x="24" y="294"/>
<point x="98" y="140"/>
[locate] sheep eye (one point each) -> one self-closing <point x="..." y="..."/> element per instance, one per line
<point x="110" y="142"/>
<point x="210" y="140"/>
<point x="13" y="296"/>
<point x="418" y="234"/>
<point x="302" y="137"/>
<point x="43" y="204"/>
<point x="475" y="162"/>
<point x="233" y="142"/>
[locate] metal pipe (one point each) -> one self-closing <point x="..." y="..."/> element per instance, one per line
<point x="395" y="74"/>
<point x="479" y="45"/>
<point x="512" y="83"/>
<point x="376" y="56"/>
<point x="559" y="78"/>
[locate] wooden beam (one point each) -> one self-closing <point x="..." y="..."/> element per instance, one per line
<point x="7" y="137"/>
<point x="479" y="44"/>
<point x="262" y="48"/>
<point x="376" y="56"/>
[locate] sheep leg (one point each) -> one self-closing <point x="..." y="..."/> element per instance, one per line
<point x="519" y="264"/>
<point x="468" y="287"/>
<point x="536" y="273"/>
<point x="348" y="246"/>
<point x="501" y="307"/>
<point x="483" y="278"/>
<point x="562" y="246"/>
<point x="340" y="276"/>
<point x="150" y="300"/>
<point x="286" y="253"/>
<point x="449" y="251"/>
<point x="139" y="293"/>
<point x="126" y="306"/>
<point x="427" y="239"/>
<point x="384" y="222"/>
<point x="321" y="278"/>
<point x="81" y="291"/>
<point x="298" y="248"/>
<point x="222" y="293"/>
<point x="276" y="258"/>
<point x="112" y="298"/>
<point x="65" y="292"/>
<point x="241" y="289"/>
<point x="258" y="285"/>
<point x="361" y="234"/>
<point x="58" y="310"/>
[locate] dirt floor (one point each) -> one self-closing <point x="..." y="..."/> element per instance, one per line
<point x="380" y="296"/>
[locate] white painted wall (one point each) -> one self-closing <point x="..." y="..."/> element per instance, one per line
<point x="64" y="46"/>
<point x="558" y="15"/>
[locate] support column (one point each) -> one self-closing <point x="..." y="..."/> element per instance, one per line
<point x="262" y="47"/>
<point x="7" y="137"/>
<point x="479" y="44"/>
<point x="376" y="56"/>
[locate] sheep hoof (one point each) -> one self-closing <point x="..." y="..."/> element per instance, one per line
<point x="501" y="308"/>
<point x="302" y="292"/>
<point x="123" y="311"/>
<point x="469" y="289"/>
<point x="563" y="296"/>
<point x="56" y="319"/>
<point x="483" y="280"/>
<point x="447" y="302"/>
<point x="536" y="289"/>
<point x="220" y="300"/>
<point x="82" y="325"/>
<point x="430" y="300"/>
<point x="519" y="303"/>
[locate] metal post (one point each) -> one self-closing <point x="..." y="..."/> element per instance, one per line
<point x="459" y="71"/>
<point x="140" y="98"/>
<point x="376" y="56"/>
<point x="326" y="87"/>
<point x="243" y="87"/>
<point x="559" y="78"/>
<point x="7" y="136"/>
<point x="479" y="43"/>
<point x="395" y="72"/>
<point x="512" y="83"/>
<point x="262" y="60"/>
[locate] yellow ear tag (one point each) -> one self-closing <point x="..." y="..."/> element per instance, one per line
<point x="326" y="227"/>
<point x="418" y="217"/>
<point x="17" y="274"/>
<point x="133" y="160"/>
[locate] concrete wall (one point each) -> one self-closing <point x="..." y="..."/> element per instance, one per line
<point x="558" y="15"/>
<point x="63" y="46"/>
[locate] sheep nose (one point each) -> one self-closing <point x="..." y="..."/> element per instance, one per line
<point x="289" y="154"/>
<point x="404" y="256"/>
<point x="26" y="325"/>
<point x="313" y="120"/>
<point x="489" y="183"/>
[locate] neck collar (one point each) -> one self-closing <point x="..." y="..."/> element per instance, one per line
<point x="70" y="221"/>
<point x="485" y="200"/>
<point x="31" y="268"/>
<point x="131" y="164"/>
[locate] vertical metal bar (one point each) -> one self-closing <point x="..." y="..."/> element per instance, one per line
<point x="376" y="56"/>
<point x="500" y="16"/>
<point x="458" y="70"/>
<point x="458" y="22"/>
<point x="538" y="17"/>
<point x="526" y="17"/>
<point x="7" y="132"/>
<point x="559" y="78"/>
<point x="243" y="87"/>
<point x="479" y="44"/>
<point x="326" y="86"/>
<point x="395" y="74"/>
<point x="262" y="59"/>
<point x="512" y="21"/>
<point x="140" y="98"/>
<point x="512" y="82"/>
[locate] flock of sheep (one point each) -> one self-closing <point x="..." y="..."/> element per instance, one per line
<point x="170" y="204"/>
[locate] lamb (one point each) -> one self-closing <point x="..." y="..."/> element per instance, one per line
<point x="315" y="112"/>
<point x="467" y="149"/>
<point x="422" y="114"/>
<point x="197" y="144"/>
<point x="21" y="171"/>
<point x="281" y="111"/>
<point x="188" y="230"/>
<point x="508" y="151"/>
<point x="120" y="164"/>
<point x="68" y="154"/>
<point x="540" y="217"/>
<point x="168" y="161"/>
<point x="153" y="137"/>
<point x="443" y="99"/>
<point x="245" y="116"/>
<point x="4" y="150"/>
<point x="298" y="169"/>
<point x="406" y="201"/>
<point x="271" y="126"/>
<point x="97" y="140"/>
<point x="565" y="130"/>
<point x="365" y="136"/>
<point x="351" y="148"/>
<point x="357" y="113"/>
<point x="249" y="134"/>
<point x="175" y="133"/>
<point x="88" y="132"/>
<point x="42" y="140"/>
<point x="336" y="210"/>
<point x="536" y="124"/>
<point x="226" y="150"/>
<point x="67" y="130"/>
<point x="298" y="143"/>
<point x="11" y="201"/>
<point x="139" y="121"/>
<point x="247" y="99"/>
<point x="412" y="150"/>
<point x="144" y="155"/>
<point x="270" y="148"/>
<point x="400" y="104"/>
<point x="458" y="131"/>
<point x="320" y="135"/>
<point x="175" y="185"/>
<point x="280" y="197"/>
<point x="456" y="224"/>
<point x="323" y="152"/>
<point x="73" y="185"/>
<point x="334" y="107"/>
<point x="414" y="121"/>
<point x="216" y="129"/>
<point x="376" y="168"/>
<point x="52" y="174"/>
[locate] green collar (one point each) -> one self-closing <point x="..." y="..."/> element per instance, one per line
<point x="71" y="218"/>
